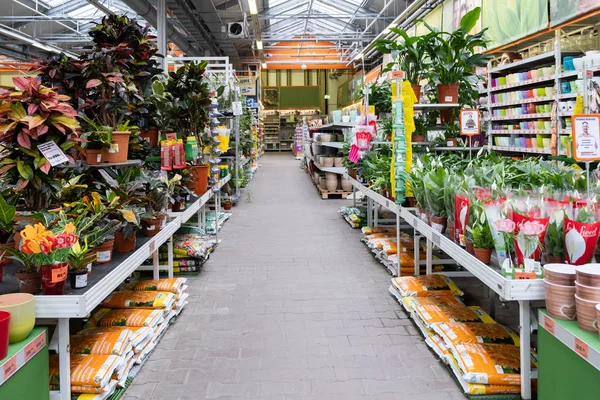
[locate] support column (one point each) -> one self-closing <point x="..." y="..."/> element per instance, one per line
<point x="161" y="27"/>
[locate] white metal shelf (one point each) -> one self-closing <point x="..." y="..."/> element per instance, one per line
<point x="339" y="125"/>
<point x="522" y="149"/>
<point x="522" y="101"/>
<point x="520" y="64"/>
<point x="335" y="170"/>
<point x="523" y="116"/>
<point x="193" y="208"/>
<point x="438" y="106"/>
<point x="522" y="83"/>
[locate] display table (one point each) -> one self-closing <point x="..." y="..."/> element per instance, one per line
<point x="25" y="369"/>
<point x="569" y="360"/>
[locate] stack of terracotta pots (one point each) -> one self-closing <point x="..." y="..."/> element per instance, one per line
<point x="559" y="280"/>
<point x="587" y="297"/>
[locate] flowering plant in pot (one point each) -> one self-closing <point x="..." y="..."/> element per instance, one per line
<point x="80" y="264"/>
<point x="554" y="240"/>
<point x="31" y="116"/>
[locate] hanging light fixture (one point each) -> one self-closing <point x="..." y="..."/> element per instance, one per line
<point x="259" y="44"/>
<point x="303" y="66"/>
<point x="252" y="7"/>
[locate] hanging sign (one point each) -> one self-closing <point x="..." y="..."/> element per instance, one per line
<point x="397" y="74"/>
<point x="237" y="108"/>
<point x="586" y="137"/>
<point x="470" y="122"/>
<point x="53" y="153"/>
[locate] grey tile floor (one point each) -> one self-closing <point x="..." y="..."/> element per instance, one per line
<point x="291" y="306"/>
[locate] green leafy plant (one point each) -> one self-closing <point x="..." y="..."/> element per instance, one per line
<point x="452" y="130"/>
<point x="407" y="53"/>
<point x="555" y="241"/>
<point x="80" y="256"/>
<point x="434" y="191"/>
<point x="481" y="237"/>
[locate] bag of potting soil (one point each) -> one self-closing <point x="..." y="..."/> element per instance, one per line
<point x="119" y="372"/>
<point x="136" y="334"/>
<point x="439" y="313"/>
<point x="139" y="299"/>
<point x="101" y="342"/>
<point x="88" y="372"/>
<point x="492" y="364"/>
<point x="369" y="230"/>
<point x="137" y="317"/>
<point x="438" y="346"/>
<point x="455" y="333"/>
<point x="411" y="303"/>
<point x="426" y="285"/>
<point x="474" y="389"/>
<point x="172" y="285"/>
<point x="108" y="391"/>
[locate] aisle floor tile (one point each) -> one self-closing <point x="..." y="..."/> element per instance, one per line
<point x="291" y="306"/>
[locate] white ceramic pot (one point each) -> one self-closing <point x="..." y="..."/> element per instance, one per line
<point x="327" y="161"/>
<point x="325" y="137"/>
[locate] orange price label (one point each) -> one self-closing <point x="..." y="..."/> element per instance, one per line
<point x="581" y="348"/>
<point x="549" y="325"/>
<point x="59" y="274"/>
<point x="10" y="367"/>
<point x="525" y="275"/>
<point x="171" y="136"/>
<point x="32" y="348"/>
<point x="397" y="74"/>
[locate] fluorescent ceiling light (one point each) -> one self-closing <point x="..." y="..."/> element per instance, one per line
<point x="252" y="7"/>
<point x="259" y="44"/>
<point x="358" y="56"/>
<point x="264" y="65"/>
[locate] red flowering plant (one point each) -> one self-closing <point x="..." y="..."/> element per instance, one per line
<point x="29" y="117"/>
<point x="42" y="246"/>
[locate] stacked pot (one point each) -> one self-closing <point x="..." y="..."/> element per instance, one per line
<point x="559" y="280"/>
<point x="587" y="297"/>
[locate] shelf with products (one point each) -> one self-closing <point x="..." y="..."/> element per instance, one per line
<point x="524" y="116"/>
<point x="521" y="131"/>
<point x="522" y="101"/>
<point x="522" y="149"/>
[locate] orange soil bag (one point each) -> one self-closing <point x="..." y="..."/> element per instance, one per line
<point x="426" y="285"/>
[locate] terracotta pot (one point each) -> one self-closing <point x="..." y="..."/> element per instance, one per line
<point x="588" y="274"/>
<point x="560" y="301"/>
<point x="199" y="182"/>
<point x="469" y="246"/>
<point x="119" y="148"/>
<point x="450" y="231"/>
<point x="586" y="314"/>
<point x="93" y="156"/>
<point x="352" y="173"/>
<point x="151" y="136"/>
<point x="54" y="277"/>
<point x="438" y="223"/>
<point x="418" y="138"/>
<point x="388" y="194"/>
<point x="227" y="205"/>
<point x="417" y="90"/>
<point x="124" y="245"/>
<point x="445" y="116"/>
<point x="104" y="252"/>
<point x="151" y="226"/>
<point x="29" y="282"/>
<point x="78" y="279"/>
<point x="179" y="206"/>
<point x="412" y="202"/>
<point x="483" y="255"/>
<point x="451" y="142"/>
<point x="447" y="93"/>
<point x="560" y="274"/>
<point x="587" y="292"/>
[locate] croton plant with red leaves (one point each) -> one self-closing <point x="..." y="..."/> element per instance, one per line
<point x="30" y="116"/>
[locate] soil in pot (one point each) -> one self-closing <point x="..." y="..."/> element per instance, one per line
<point x="483" y="255"/>
<point x="199" y="182"/>
<point x="469" y="246"/>
<point x="54" y="277"/>
<point x="438" y="223"/>
<point x="418" y="138"/>
<point x="93" y="156"/>
<point x="124" y="244"/>
<point x="118" y="149"/>
<point x="29" y="282"/>
<point x="151" y="226"/>
<point x="417" y="90"/>
<point x="104" y="252"/>
<point x="78" y="279"/>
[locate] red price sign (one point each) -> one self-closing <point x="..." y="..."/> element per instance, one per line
<point x="525" y="275"/>
<point x="10" y="367"/>
<point x="549" y="324"/>
<point x="581" y="348"/>
<point x="59" y="274"/>
<point x="397" y="74"/>
<point x="32" y="348"/>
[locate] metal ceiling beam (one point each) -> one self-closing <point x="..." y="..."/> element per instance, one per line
<point x="229" y="3"/>
<point x="66" y="7"/>
<point x="310" y="6"/>
<point x="284" y="7"/>
<point x="332" y="38"/>
<point x="39" y="18"/>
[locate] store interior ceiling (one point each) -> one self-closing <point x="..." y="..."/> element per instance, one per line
<point x="200" y="28"/>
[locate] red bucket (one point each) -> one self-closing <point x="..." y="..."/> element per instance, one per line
<point x="4" y="324"/>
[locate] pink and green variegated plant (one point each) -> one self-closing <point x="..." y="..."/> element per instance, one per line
<point x="30" y="116"/>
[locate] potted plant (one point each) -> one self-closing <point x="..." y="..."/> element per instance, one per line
<point x="480" y="235"/>
<point x="453" y="56"/>
<point x="95" y="139"/>
<point x="450" y="185"/>
<point x="227" y="204"/>
<point x="31" y="116"/>
<point x="129" y="219"/>
<point x="421" y="128"/>
<point x="434" y="193"/>
<point x="157" y="198"/>
<point x="452" y="133"/>
<point x="80" y="264"/>
<point x="408" y="55"/>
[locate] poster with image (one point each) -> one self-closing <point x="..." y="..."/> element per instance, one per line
<point x="586" y="137"/>
<point x="510" y="20"/>
<point x="469" y="122"/>
<point x="565" y="10"/>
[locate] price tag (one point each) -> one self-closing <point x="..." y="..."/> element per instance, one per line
<point x="581" y="348"/>
<point x="397" y="74"/>
<point x="549" y="324"/>
<point x="152" y="246"/>
<point x="52" y="153"/>
<point x="237" y="108"/>
<point x="32" y="348"/>
<point x="10" y="367"/>
<point x="171" y="136"/>
<point x="59" y="274"/>
<point x="525" y="275"/>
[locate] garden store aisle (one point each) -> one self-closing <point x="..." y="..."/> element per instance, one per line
<point x="291" y="306"/>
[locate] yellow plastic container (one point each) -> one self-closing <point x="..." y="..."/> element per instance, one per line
<point x="21" y="307"/>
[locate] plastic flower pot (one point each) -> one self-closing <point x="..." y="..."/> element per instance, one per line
<point x="21" y="307"/>
<point x="447" y="93"/>
<point x="78" y="279"/>
<point x="93" y="156"/>
<point x="54" y="277"/>
<point x="179" y="206"/>
<point x="124" y="244"/>
<point x="151" y="136"/>
<point x="450" y="231"/>
<point x="417" y="90"/>
<point x="151" y="226"/>
<point x="104" y="252"/>
<point x="4" y="324"/>
<point x="29" y="282"/>
<point x="418" y="138"/>
<point x="483" y="255"/>
<point x="118" y="149"/>
<point x="469" y="246"/>
<point x="227" y="205"/>
<point x="199" y="182"/>
<point x="438" y="223"/>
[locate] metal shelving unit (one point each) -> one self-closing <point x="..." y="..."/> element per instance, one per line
<point x="523" y="291"/>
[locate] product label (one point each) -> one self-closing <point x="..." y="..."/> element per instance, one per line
<point x="236" y="107"/>
<point x="171" y="136"/>
<point x="32" y="348"/>
<point x="580" y="241"/>
<point x="59" y="274"/>
<point x="113" y="148"/>
<point x="53" y="153"/>
<point x="99" y="157"/>
<point x="450" y="143"/>
<point x="448" y="99"/>
<point x="549" y="325"/>
<point x="10" y="367"/>
<point x="81" y="281"/>
<point x="525" y="275"/>
<point x="103" y="256"/>
<point x="581" y="348"/>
